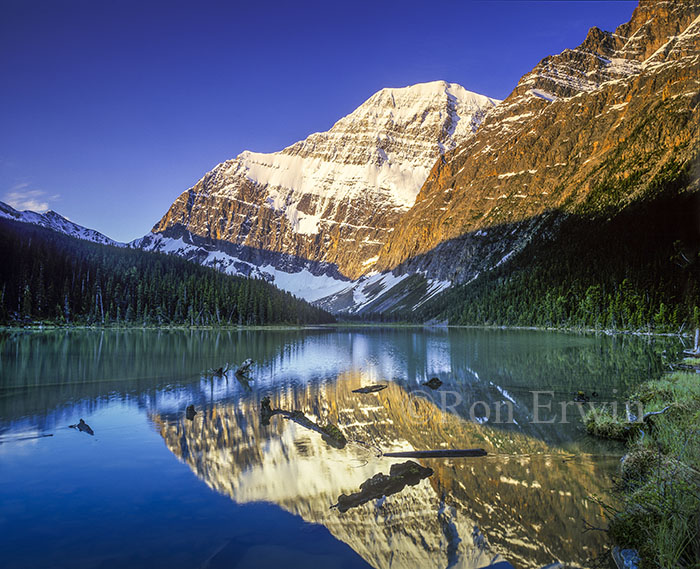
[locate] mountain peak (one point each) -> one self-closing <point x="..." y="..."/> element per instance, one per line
<point x="348" y="184"/>
<point x="652" y="24"/>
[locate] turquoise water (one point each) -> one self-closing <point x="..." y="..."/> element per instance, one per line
<point x="152" y="488"/>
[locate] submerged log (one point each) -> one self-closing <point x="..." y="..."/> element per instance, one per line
<point x="267" y="412"/>
<point x="217" y="372"/>
<point x="442" y="453"/>
<point x="331" y="434"/>
<point x="369" y="389"/>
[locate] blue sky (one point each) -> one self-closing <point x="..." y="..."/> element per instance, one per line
<point x="110" y="109"/>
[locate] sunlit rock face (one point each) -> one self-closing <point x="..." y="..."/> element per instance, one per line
<point x="526" y="502"/>
<point x="587" y="132"/>
<point x="332" y="198"/>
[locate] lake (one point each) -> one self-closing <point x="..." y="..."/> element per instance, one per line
<point x="229" y="487"/>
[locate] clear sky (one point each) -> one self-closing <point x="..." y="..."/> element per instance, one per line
<point x="109" y="109"/>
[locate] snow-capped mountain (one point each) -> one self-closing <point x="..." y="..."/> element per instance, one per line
<point x="326" y="205"/>
<point x="432" y="185"/>
<point x="55" y="221"/>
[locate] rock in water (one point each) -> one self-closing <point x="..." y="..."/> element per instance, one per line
<point x="581" y="397"/>
<point x="400" y="476"/>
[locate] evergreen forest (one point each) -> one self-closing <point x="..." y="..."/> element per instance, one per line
<point x="49" y="277"/>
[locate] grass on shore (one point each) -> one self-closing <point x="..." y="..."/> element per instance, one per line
<point x="659" y="487"/>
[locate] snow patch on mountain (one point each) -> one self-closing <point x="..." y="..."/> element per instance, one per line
<point x="302" y="284"/>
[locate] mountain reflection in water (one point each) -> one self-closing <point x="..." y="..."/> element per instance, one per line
<point x="529" y="498"/>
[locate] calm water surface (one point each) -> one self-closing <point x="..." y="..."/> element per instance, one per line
<point x="152" y="488"/>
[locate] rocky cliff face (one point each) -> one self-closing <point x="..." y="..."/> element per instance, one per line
<point x="333" y="198"/>
<point x="586" y="132"/>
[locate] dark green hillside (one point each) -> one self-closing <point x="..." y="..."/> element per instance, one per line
<point x="50" y="277"/>
<point x="637" y="270"/>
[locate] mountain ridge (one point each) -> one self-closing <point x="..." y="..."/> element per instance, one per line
<point x="55" y="221"/>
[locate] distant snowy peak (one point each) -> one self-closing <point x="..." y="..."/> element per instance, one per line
<point x="335" y="196"/>
<point x="56" y="222"/>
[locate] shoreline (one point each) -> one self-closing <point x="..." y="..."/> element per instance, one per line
<point x="345" y="325"/>
<point x="658" y="492"/>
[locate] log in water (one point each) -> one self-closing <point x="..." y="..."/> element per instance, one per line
<point x="447" y="453"/>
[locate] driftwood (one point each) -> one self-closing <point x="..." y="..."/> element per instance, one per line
<point x="330" y="433"/>
<point x="244" y="380"/>
<point x="369" y="389"/>
<point x="83" y="427"/>
<point x="217" y="372"/>
<point x="696" y="348"/>
<point x="446" y="453"/>
<point x="649" y="415"/>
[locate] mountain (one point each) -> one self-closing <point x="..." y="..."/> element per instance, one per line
<point x="585" y="133"/>
<point x="326" y="205"/>
<point x="586" y="175"/>
<point x="56" y="222"/>
<point x="430" y="188"/>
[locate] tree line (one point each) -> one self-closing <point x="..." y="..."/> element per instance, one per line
<point x="50" y="277"/>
